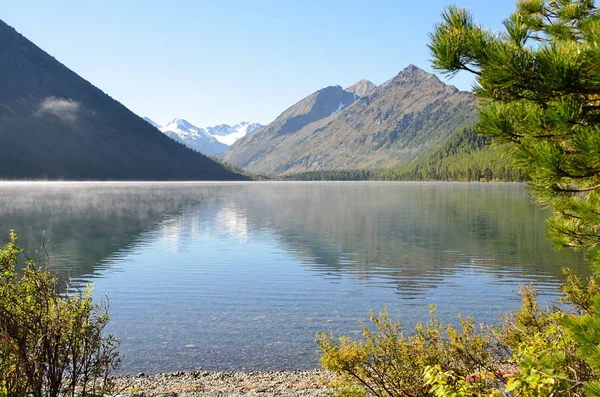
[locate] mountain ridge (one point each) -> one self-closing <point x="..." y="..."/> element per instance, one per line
<point x="206" y="140"/>
<point x="56" y="125"/>
<point x="323" y="103"/>
<point x="408" y="116"/>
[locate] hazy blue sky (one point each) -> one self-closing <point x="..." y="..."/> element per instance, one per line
<point x="225" y="61"/>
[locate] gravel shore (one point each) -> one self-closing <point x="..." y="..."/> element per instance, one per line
<point x="203" y="383"/>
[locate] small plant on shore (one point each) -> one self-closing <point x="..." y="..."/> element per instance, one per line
<point x="529" y="354"/>
<point x="390" y="362"/>
<point x="51" y="344"/>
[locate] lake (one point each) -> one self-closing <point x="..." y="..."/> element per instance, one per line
<point x="241" y="276"/>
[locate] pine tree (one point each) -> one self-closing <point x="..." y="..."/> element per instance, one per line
<point x="538" y="85"/>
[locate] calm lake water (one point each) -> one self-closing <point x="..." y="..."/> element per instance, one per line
<point x="241" y="276"/>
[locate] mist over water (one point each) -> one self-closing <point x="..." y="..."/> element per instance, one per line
<point x="240" y="276"/>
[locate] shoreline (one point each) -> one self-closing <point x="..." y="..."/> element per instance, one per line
<point x="306" y="383"/>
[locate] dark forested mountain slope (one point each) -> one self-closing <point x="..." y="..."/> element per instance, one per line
<point x="56" y="125"/>
<point x="464" y="157"/>
<point x="405" y="118"/>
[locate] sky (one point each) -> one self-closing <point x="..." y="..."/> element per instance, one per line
<point x="227" y="61"/>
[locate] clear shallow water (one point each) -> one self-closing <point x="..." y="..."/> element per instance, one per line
<point x="241" y="276"/>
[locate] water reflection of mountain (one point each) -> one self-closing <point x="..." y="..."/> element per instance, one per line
<point x="85" y="223"/>
<point x="409" y="233"/>
<point x="406" y="234"/>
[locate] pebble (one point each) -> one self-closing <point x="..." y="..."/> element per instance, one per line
<point x="213" y="384"/>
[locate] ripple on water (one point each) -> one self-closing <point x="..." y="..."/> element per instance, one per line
<point x="242" y="276"/>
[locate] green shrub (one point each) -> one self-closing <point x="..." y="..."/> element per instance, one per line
<point x="530" y="354"/>
<point x="51" y="344"/>
<point x="388" y="362"/>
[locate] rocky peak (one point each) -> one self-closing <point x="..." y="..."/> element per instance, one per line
<point x="362" y="88"/>
<point x="413" y="77"/>
<point x="412" y="72"/>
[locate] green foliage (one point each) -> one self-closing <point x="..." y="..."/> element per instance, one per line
<point x="542" y="351"/>
<point x="539" y="86"/>
<point x="391" y="363"/>
<point x="529" y="354"/>
<point x="50" y="344"/>
<point x="387" y="362"/>
<point x="465" y="157"/>
<point x="539" y="90"/>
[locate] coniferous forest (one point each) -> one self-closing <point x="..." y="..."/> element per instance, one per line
<point x="466" y="157"/>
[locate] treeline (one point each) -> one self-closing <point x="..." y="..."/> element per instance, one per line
<point x="466" y="157"/>
<point x="234" y="169"/>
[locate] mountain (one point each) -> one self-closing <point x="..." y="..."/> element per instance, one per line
<point x="193" y="137"/>
<point x="410" y="116"/>
<point x="208" y="141"/>
<point x="152" y="123"/>
<point x="56" y="125"/>
<point x="362" y="88"/>
<point x="465" y="157"/>
<point x="317" y="106"/>
<point x="229" y="135"/>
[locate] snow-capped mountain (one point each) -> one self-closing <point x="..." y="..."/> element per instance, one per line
<point x="193" y="137"/>
<point x="210" y="140"/>
<point x="228" y="135"/>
